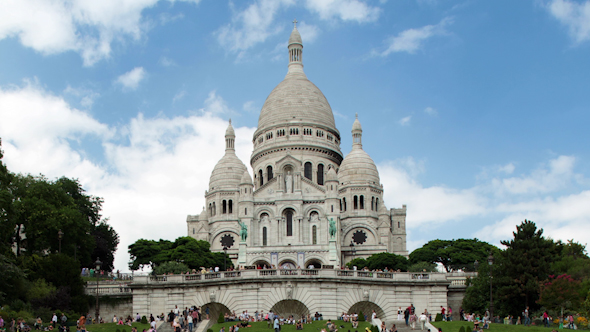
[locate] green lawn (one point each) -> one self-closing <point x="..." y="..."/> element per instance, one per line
<point x="454" y="326"/>
<point x="112" y="327"/>
<point x="315" y="326"/>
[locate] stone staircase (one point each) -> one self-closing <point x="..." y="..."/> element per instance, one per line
<point x="201" y="327"/>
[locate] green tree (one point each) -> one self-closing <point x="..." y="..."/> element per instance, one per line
<point x="7" y="217"/>
<point x="360" y="263"/>
<point x="528" y="257"/>
<point x="387" y="260"/>
<point x="477" y="294"/>
<point x="422" y="266"/>
<point x="12" y="281"/>
<point x="107" y="241"/>
<point x="194" y="254"/>
<point x="171" y="267"/>
<point x="561" y="292"/>
<point x="452" y="254"/>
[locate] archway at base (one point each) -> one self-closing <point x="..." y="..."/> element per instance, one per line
<point x="215" y="308"/>
<point x="367" y="308"/>
<point x="262" y="264"/>
<point x="317" y="264"/>
<point x="286" y="308"/>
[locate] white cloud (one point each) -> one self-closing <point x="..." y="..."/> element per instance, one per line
<point x="507" y="169"/>
<point x="308" y="32"/>
<point x="86" y="96"/>
<point x="346" y="10"/>
<point x="155" y="170"/>
<point x="179" y="96"/>
<point x="166" y="62"/>
<point x="411" y="40"/>
<point x="430" y="111"/>
<point x="214" y="104"/>
<point x="250" y="106"/>
<point x="86" y="27"/>
<point x="405" y="121"/>
<point x="131" y="79"/>
<point x="575" y="16"/>
<point x="251" y="26"/>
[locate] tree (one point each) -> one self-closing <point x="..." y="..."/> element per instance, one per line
<point x="12" y="282"/>
<point x="7" y="222"/>
<point x="195" y="254"/>
<point x="107" y="240"/>
<point x="560" y="292"/>
<point x="422" y="267"/>
<point x="528" y="257"/>
<point x="387" y="260"/>
<point x="171" y="267"/>
<point x="477" y="294"/>
<point x="360" y="263"/>
<point x="452" y="254"/>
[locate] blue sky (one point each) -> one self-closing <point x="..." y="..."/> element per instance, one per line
<point x="476" y="112"/>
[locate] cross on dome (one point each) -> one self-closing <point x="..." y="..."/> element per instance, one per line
<point x="295" y="24"/>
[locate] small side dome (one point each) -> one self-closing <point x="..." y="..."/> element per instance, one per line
<point x="246" y="179"/>
<point x="356" y="126"/>
<point x="358" y="167"/>
<point x="228" y="173"/>
<point x="332" y="176"/>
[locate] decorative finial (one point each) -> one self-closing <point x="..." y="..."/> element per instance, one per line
<point x="295" y="24"/>
<point x="230" y="121"/>
<point x="356" y="115"/>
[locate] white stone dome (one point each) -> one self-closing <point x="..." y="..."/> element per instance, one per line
<point x="228" y="172"/>
<point x="246" y="178"/>
<point x="296" y="98"/>
<point x="358" y="167"/>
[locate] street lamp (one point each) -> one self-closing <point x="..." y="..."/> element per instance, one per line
<point x="476" y="265"/>
<point x="352" y="249"/>
<point x="224" y="258"/>
<point x="98" y="263"/>
<point x="491" y="262"/>
<point x="59" y="236"/>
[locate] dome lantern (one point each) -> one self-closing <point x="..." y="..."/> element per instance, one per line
<point x="295" y="51"/>
<point x="357" y="133"/>
<point x="230" y="137"/>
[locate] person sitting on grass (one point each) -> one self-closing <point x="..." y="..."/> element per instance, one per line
<point x="299" y="325"/>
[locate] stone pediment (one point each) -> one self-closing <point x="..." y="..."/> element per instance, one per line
<point x="288" y="159"/>
<point x="309" y="187"/>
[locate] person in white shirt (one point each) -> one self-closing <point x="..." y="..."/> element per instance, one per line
<point x="422" y="321"/>
<point x="189" y="319"/>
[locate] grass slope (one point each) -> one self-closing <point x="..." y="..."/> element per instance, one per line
<point x="315" y="326"/>
<point x="454" y="326"/>
<point x="112" y="327"/>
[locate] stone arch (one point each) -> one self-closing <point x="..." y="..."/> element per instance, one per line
<point x="296" y="212"/>
<point x="367" y="307"/>
<point x="215" y="308"/>
<point x="286" y="308"/>
<point x="288" y="262"/>
<point x="262" y="210"/>
<point x="311" y="208"/>
<point x="262" y="262"/>
<point x="316" y="262"/>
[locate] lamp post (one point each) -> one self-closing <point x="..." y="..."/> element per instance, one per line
<point x="224" y="258"/>
<point x="60" y="234"/>
<point x="98" y="263"/>
<point x="352" y="249"/>
<point x="491" y="262"/>
<point x="476" y="265"/>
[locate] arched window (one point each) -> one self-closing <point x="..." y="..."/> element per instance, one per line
<point x="361" y="202"/>
<point x="332" y="208"/>
<point x="314" y="235"/>
<point x="230" y="206"/>
<point x="289" y="219"/>
<point x="264" y="236"/>
<point x="210" y="209"/>
<point x="355" y="202"/>
<point x="340" y="205"/>
<point x="307" y="170"/>
<point x="260" y="177"/>
<point x="344" y="203"/>
<point x="320" y="174"/>
<point x="398" y="224"/>
<point x="214" y="209"/>
<point x="193" y="231"/>
<point x="377" y="204"/>
<point x="224" y="206"/>
<point x="372" y="203"/>
<point x="269" y="173"/>
<point x="245" y="211"/>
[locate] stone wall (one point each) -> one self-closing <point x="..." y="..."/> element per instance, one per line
<point x="122" y="306"/>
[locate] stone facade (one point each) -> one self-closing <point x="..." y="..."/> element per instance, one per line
<point x="301" y="188"/>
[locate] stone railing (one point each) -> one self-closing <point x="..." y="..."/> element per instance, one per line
<point x="298" y="274"/>
<point x="107" y="289"/>
<point x="459" y="279"/>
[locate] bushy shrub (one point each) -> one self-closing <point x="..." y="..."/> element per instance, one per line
<point x="361" y="316"/>
<point x="123" y="330"/>
<point x="220" y="319"/>
<point x="144" y="320"/>
<point x="209" y="330"/>
<point x="117" y="330"/>
<point x="462" y="329"/>
<point x="438" y="317"/>
<point x="374" y="328"/>
<point x="467" y="329"/>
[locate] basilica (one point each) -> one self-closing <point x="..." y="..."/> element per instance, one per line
<point x="306" y="204"/>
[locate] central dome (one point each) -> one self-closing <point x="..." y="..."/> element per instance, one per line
<point x="296" y="98"/>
